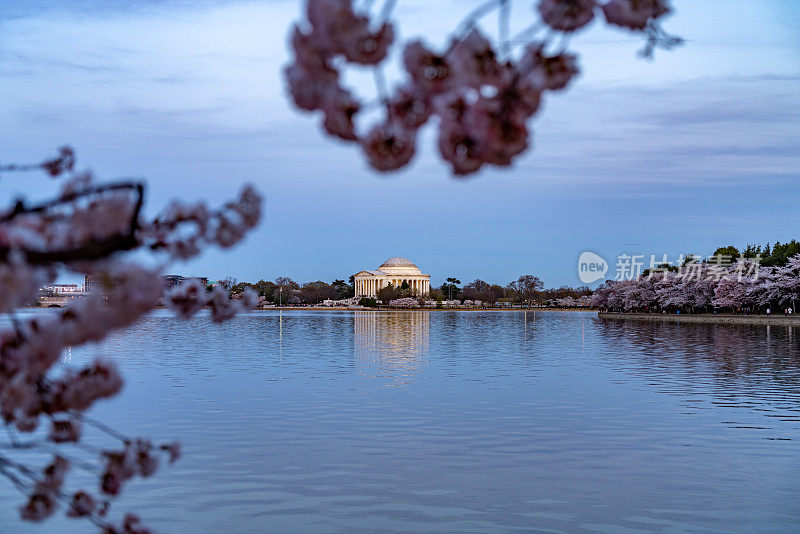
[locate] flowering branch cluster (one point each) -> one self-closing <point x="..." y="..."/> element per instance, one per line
<point x="89" y="229"/>
<point x="740" y="285"/>
<point x="183" y="229"/>
<point x="191" y="296"/>
<point x="482" y="93"/>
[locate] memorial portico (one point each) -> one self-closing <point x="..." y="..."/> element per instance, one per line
<point x="393" y="271"/>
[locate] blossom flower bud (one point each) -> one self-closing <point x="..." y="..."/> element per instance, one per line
<point x="54" y="474"/>
<point x="63" y="163"/>
<point x="173" y="450"/>
<point x="81" y="505"/>
<point x="132" y="525"/>
<point x="41" y="504"/>
<point x="146" y="463"/>
<point x="111" y="481"/>
<point x="64" y="431"/>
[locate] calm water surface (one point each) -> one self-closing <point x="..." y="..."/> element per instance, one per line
<point x="456" y="422"/>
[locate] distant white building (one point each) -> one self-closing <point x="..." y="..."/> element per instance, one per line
<point x="63" y="288"/>
<point x="394" y="271"/>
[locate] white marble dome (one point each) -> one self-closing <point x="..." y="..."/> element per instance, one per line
<point x="398" y="265"/>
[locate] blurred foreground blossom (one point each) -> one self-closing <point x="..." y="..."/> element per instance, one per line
<point x="92" y="229"/>
<point x="483" y="91"/>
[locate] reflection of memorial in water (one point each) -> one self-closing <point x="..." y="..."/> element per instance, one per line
<point x="391" y="345"/>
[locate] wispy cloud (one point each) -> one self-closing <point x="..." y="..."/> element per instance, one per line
<point x="191" y="95"/>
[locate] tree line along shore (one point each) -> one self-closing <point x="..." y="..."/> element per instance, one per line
<point x="758" y="280"/>
<point x="526" y="291"/>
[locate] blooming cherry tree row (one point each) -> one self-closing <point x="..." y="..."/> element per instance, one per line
<point x="743" y="285"/>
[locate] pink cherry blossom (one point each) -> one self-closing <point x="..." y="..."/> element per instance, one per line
<point x="81" y="505"/>
<point x="173" y="450"/>
<point x="502" y="132"/>
<point x="406" y="302"/>
<point x="522" y="95"/>
<point x="132" y="525"/>
<point x="547" y="72"/>
<point x="340" y="108"/>
<point x="310" y="89"/>
<point x="473" y="62"/>
<point x="460" y="147"/>
<point x="339" y="30"/>
<point x="634" y="14"/>
<point x="223" y="307"/>
<point x="340" y="33"/>
<point x="566" y="15"/>
<point x="388" y="146"/>
<point x="63" y="163"/>
<point x="729" y="293"/>
<point x="310" y="54"/>
<point x="188" y="298"/>
<point x="41" y="505"/>
<point x="430" y="72"/>
<point x="54" y="473"/>
<point x="364" y="47"/>
<point x="332" y="21"/>
<point x="64" y="431"/>
<point x="81" y="390"/>
<point x="408" y="108"/>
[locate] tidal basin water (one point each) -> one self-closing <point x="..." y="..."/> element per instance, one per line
<point x="305" y="421"/>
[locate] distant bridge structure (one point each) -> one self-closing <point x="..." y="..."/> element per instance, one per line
<point x="59" y="301"/>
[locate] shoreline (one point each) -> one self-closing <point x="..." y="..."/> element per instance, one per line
<point x="760" y="320"/>
<point x="345" y="308"/>
<point x="340" y="308"/>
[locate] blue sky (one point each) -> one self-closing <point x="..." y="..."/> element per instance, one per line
<point x="694" y="149"/>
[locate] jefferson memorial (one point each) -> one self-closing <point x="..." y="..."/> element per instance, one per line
<point x="394" y="271"/>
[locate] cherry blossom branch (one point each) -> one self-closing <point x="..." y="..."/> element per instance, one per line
<point x="64" y="162"/>
<point x="504" y="18"/>
<point x="482" y="94"/>
<point x="101" y="426"/>
<point x="89" y="229"/>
